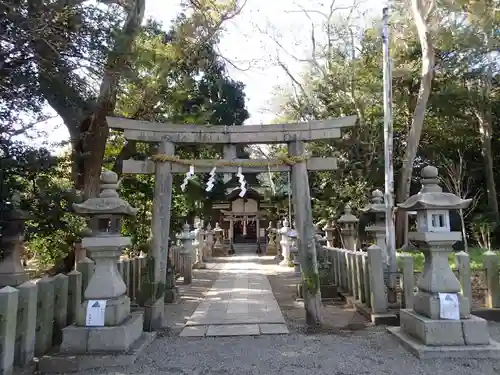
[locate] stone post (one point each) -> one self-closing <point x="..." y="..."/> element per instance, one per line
<point x="378" y="298"/>
<point x="209" y="241"/>
<point x="218" y="246"/>
<point x="86" y="268"/>
<point x="8" y="316"/>
<point x="11" y="241"/>
<point x="490" y="262"/>
<point x="171" y="288"/>
<point x="285" y="250"/>
<point x="106" y="290"/>
<point x="464" y="274"/>
<point x="376" y="214"/>
<point x="366" y="280"/>
<point x="186" y="239"/>
<point x="74" y="295"/>
<point x="408" y="279"/>
<point x="44" y="316"/>
<point x="198" y="244"/>
<point x="358" y="258"/>
<point x="26" y="323"/>
<point x="428" y="327"/>
<point x="348" y="225"/>
<point x="329" y="232"/>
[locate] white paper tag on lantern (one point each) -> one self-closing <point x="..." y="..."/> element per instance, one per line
<point x="96" y="311"/>
<point x="449" y="306"/>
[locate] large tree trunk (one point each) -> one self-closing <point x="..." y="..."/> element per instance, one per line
<point x="86" y="120"/>
<point x="421" y="10"/>
<point x="485" y="133"/>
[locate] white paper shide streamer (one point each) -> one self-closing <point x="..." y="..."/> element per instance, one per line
<point x="189" y="174"/>
<point x="242" y="182"/>
<point x="211" y="180"/>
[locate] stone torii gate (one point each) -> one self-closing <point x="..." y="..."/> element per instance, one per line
<point x="166" y="136"/>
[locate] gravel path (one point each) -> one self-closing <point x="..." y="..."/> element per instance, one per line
<point x="367" y="351"/>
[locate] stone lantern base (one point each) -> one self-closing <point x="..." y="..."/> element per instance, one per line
<point x="121" y="329"/>
<point x="117" y="310"/>
<point x="438" y="338"/>
<point x="107" y="339"/>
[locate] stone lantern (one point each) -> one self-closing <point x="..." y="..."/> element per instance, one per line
<point x="348" y="227"/>
<point x="209" y="242"/>
<point x="285" y="243"/>
<point x="440" y="323"/>
<point x="218" y="247"/>
<point x="271" y="244"/>
<point x="318" y="234"/>
<point x="329" y="230"/>
<point x="375" y="211"/>
<point x="11" y="241"/>
<point x="199" y="245"/>
<point x="186" y="238"/>
<point x="106" y="307"/>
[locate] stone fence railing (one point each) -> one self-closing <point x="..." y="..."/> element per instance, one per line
<point x="33" y="314"/>
<point x="361" y="277"/>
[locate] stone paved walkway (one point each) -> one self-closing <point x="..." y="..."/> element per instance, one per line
<point x="240" y="303"/>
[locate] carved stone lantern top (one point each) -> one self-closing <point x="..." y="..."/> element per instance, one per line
<point x="330" y="226"/>
<point x="431" y="195"/>
<point x="347" y="217"/>
<point x="376" y="204"/>
<point x="108" y="202"/>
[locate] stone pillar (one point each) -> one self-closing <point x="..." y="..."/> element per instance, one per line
<point x="218" y="246"/>
<point x="426" y="328"/>
<point x="186" y="239"/>
<point x="490" y="262"/>
<point x="378" y="298"/>
<point x="8" y="311"/>
<point x="464" y="274"/>
<point x="106" y="287"/>
<point x="198" y="245"/>
<point x="209" y="240"/>
<point x="285" y="250"/>
<point x="329" y="232"/>
<point x="376" y="214"/>
<point x="11" y="241"/>
<point x="171" y="288"/>
<point x="408" y="279"/>
<point x="348" y="227"/>
<point x="271" y="244"/>
<point x="162" y="203"/>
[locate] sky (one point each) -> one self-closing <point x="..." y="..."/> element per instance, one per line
<point x="249" y="43"/>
